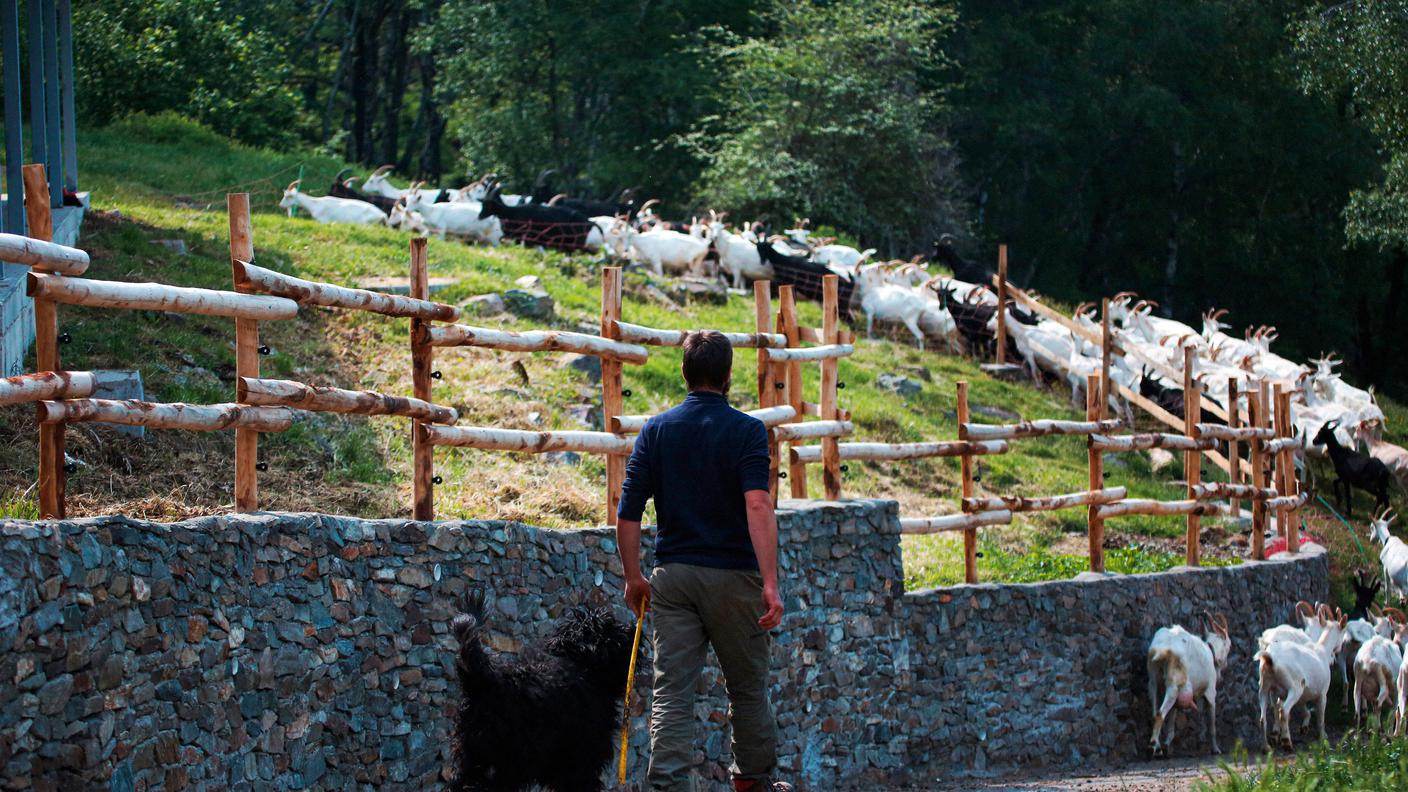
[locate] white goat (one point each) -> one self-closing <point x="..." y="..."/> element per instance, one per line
<point x="1186" y="667"/>
<point x="458" y="218"/>
<point x="1293" y="673"/>
<point x="890" y="302"/>
<point x="377" y="183"/>
<point x="1393" y="556"/>
<point x="841" y="257"/>
<point x="407" y="220"/>
<point x="1394" y="457"/>
<point x="738" y="256"/>
<point x="1376" y="667"/>
<point x="663" y="248"/>
<point x="328" y="209"/>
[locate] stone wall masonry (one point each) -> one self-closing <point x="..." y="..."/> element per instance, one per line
<point x="299" y="651"/>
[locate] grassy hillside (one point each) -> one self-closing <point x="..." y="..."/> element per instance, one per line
<point x="165" y="179"/>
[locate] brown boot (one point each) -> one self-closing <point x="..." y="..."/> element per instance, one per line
<point x="756" y="785"/>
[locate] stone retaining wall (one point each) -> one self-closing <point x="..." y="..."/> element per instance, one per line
<point x="313" y="652"/>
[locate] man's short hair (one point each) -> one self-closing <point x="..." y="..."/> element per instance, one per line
<point x="708" y="360"/>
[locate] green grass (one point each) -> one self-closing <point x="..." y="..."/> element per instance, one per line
<point x="166" y="178"/>
<point x="1361" y="761"/>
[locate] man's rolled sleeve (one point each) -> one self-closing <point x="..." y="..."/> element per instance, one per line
<point x="637" y="488"/>
<point x="755" y="465"/>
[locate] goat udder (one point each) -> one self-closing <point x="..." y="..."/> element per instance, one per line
<point x="1186" y="700"/>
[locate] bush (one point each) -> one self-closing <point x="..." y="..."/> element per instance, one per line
<point x="188" y="56"/>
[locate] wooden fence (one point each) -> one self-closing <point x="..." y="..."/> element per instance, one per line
<point x="783" y="346"/>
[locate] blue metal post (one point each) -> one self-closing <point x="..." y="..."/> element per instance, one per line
<point x="70" y="118"/>
<point x="14" y="125"/>
<point x="37" y="137"/>
<point x="53" y="146"/>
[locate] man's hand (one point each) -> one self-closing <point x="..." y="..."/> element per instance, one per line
<point x="772" y="601"/>
<point x="637" y="592"/>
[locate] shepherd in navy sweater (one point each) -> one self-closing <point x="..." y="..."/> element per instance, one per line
<point x="706" y="465"/>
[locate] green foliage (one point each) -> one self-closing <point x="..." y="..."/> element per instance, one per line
<point x="1167" y="148"/>
<point x="1356" y="55"/>
<point x="196" y="57"/>
<point x="1361" y="761"/>
<point x="837" y="112"/>
<point x="596" y="90"/>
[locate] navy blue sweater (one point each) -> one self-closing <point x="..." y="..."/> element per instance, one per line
<point x="697" y="460"/>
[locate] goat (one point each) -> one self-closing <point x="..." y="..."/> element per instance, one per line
<point x="1366" y="590"/>
<point x="1393" y="556"/>
<point x="407" y="220"/>
<point x="1394" y="457"/>
<point x="805" y="276"/>
<point x="377" y="184"/>
<point x="1353" y="469"/>
<point x="328" y="209"/>
<point x="344" y="189"/>
<point x="661" y="248"/>
<point x="1376" y="667"/>
<point x="890" y="302"/>
<point x="1294" y="673"/>
<point x="946" y="254"/>
<point x="738" y="256"/>
<point x="839" y="258"/>
<point x="537" y="223"/>
<point x="971" y="320"/>
<point x="1186" y="667"/>
<point x="458" y="218"/>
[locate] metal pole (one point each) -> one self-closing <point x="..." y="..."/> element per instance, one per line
<point x="53" y="146"/>
<point x="70" y="117"/>
<point x="37" y="138"/>
<point x="14" y="125"/>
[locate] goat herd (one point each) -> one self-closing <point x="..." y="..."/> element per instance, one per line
<point x="1331" y="417"/>
<point x="1294" y="665"/>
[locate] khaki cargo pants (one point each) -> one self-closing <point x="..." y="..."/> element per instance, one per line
<point x="691" y="609"/>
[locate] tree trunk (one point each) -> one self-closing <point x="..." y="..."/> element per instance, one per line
<point x="397" y="70"/>
<point x="1171" y="262"/>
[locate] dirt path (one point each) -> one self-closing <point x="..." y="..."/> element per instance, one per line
<point x="1174" y="774"/>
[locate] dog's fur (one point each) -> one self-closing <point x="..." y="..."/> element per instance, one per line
<point x="546" y="717"/>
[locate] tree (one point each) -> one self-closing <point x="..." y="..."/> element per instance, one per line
<point x="598" y="91"/>
<point x="1355" y="55"/>
<point x="1165" y="148"/>
<point x="837" y="112"/>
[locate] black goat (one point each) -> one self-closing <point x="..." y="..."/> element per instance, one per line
<point x="342" y="189"/>
<point x="1170" y="398"/>
<point x="1353" y="469"/>
<point x="971" y="320"/>
<point x="963" y="269"/>
<point x="1366" y="590"/>
<point x="538" y="224"/>
<point x="594" y="208"/>
<point x="805" y="276"/>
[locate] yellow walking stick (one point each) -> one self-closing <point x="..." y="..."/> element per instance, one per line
<point x="630" y="678"/>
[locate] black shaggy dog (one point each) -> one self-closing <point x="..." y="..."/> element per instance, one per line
<point x="546" y="717"/>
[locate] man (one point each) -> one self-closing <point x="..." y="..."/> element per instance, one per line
<point x="715" y="578"/>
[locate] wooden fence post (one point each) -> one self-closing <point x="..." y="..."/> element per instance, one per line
<point x="1279" y="469"/>
<point x="1287" y="465"/>
<point x="246" y="354"/>
<point x="970" y="535"/>
<point x="422" y="361"/>
<point x="1107" y="349"/>
<point x="1192" y="460"/>
<point x="1001" y="304"/>
<point x="1234" y="457"/>
<point x="796" y="473"/>
<point x="1256" y="417"/>
<point x="1095" y="461"/>
<point x="46" y="349"/>
<point x="612" y="387"/>
<point x="830" y="446"/>
<point x="767" y="389"/>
